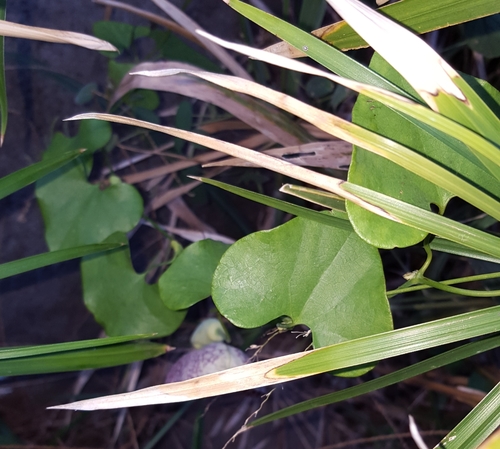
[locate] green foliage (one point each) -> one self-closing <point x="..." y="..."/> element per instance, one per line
<point x="70" y="204"/>
<point x="328" y="279"/>
<point x="120" y="299"/>
<point x="189" y="279"/>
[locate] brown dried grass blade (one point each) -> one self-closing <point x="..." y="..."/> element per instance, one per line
<point x="268" y="120"/>
<point x="11" y="29"/>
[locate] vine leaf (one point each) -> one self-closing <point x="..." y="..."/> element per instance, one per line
<point x="189" y="278"/>
<point x="327" y="279"/>
<point x="120" y="299"/>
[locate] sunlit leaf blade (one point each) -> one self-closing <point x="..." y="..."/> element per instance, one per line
<point x="21" y="178"/>
<point x="289" y="367"/>
<point x="42" y="260"/>
<point x="429" y="222"/>
<point x="432" y="363"/>
<point x="380" y="204"/>
<point x="420" y="16"/>
<point x="77" y="360"/>
<point x="11" y="29"/>
<point x="477" y="425"/>
<point x="3" y="87"/>
<point x="442" y="88"/>
<point x="354" y="134"/>
<point x="319" y="197"/>
<point x="271" y="122"/>
<point x="457" y="249"/>
<point x="284" y="206"/>
<point x="28" y="351"/>
<point x="394" y="343"/>
<point x="320" y="51"/>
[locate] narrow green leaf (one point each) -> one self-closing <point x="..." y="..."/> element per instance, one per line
<point x="429" y="222"/>
<point x="448" y="357"/>
<point x="42" y="260"/>
<point x="3" y="86"/>
<point x="322" y="198"/>
<point x="21" y="178"/>
<point x="320" y="51"/>
<point x="28" y="351"/>
<point x="284" y="206"/>
<point x="189" y="279"/>
<point x="477" y="425"/>
<point x="457" y="249"/>
<point x="393" y="343"/>
<point x="94" y="358"/>
<point x="420" y="16"/>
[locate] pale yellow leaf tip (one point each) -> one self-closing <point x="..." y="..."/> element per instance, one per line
<point x="418" y="63"/>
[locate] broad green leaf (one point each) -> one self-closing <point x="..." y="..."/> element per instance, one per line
<point x="478" y="425"/>
<point x="28" y="351"/>
<point x="446" y="358"/>
<point x="120" y="299"/>
<point x="21" y="178"/>
<point x="377" y="173"/>
<point x="3" y="86"/>
<point x="189" y="279"/>
<point x="70" y="204"/>
<point x="290" y="208"/>
<point x="77" y="360"/>
<point x="289" y="367"/>
<point x="42" y="260"/>
<point x="334" y="282"/>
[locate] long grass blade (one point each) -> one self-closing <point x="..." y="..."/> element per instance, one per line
<point x="11" y="29"/>
<point x="289" y="208"/>
<point x="356" y="135"/>
<point x="448" y="357"/>
<point x="477" y="425"/>
<point x="399" y="211"/>
<point x="420" y="16"/>
<point x="94" y="358"/>
<point x="28" y="351"/>
<point x="347" y="354"/>
<point x="21" y="178"/>
<point x="41" y="260"/>
<point x="3" y="87"/>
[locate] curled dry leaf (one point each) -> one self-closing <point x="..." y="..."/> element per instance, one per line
<point x="269" y="121"/>
<point x="11" y="29"/>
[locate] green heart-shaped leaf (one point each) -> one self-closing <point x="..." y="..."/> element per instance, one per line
<point x="377" y="173"/>
<point x="78" y="213"/>
<point x="327" y="279"/>
<point x="120" y="299"/>
<point x="189" y="278"/>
